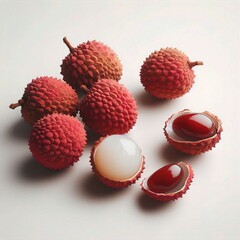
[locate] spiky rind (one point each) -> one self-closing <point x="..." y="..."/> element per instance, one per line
<point x="195" y="147"/>
<point x="111" y="183"/>
<point x="47" y="95"/>
<point x="109" y="108"/>
<point x="167" y="73"/>
<point x="88" y="63"/>
<point x="57" y="141"/>
<point x="165" y="197"/>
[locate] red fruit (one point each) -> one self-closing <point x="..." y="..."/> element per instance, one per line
<point x="193" y="133"/>
<point x="47" y="95"/>
<point x="169" y="182"/>
<point x="167" y="73"/>
<point x="89" y="62"/>
<point x="108" y="108"/>
<point x="57" y="141"/>
<point x="165" y="179"/>
<point x="194" y="126"/>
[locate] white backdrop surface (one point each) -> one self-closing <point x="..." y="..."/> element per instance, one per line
<point x="36" y="203"/>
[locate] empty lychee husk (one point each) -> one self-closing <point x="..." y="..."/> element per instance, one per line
<point x="198" y="145"/>
<point x="169" y="182"/>
<point x="117" y="161"/>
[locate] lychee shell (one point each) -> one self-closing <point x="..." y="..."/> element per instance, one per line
<point x="167" y="74"/>
<point x="57" y="141"/>
<point x="196" y="147"/>
<point x="109" y="108"/>
<point x="165" y="197"/>
<point x="89" y="62"/>
<point x="47" y="95"/>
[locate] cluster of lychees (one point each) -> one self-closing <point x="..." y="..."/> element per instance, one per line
<point x="58" y="138"/>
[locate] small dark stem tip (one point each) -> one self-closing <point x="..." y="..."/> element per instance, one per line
<point x="71" y="48"/>
<point x="84" y="88"/>
<point x="193" y="64"/>
<point x="14" y="105"/>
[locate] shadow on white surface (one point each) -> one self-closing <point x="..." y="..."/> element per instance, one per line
<point x="19" y="129"/>
<point x="93" y="189"/>
<point x="171" y="155"/>
<point x="147" y="204"/>
<point x="30" y="171"/>
<point x="144" y="99"/>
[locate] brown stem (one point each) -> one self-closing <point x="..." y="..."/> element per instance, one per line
<point x="71" y="48"/>
<point x="84" y="88"/>
<point x="192" y="64"/>
<point x="15" y="105"/>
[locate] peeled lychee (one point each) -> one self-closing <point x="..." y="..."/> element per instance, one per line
<point x="89" y="62"/>
<point x="57" y="141"/>
<point x="167" y="74"/>
<point x="108" y="108"/>
<point x="47" y="95"/>
<point x="117" y="161"/>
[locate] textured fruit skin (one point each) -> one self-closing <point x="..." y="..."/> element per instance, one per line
<point x="89" y="62"/>
<point x="108" y="108"/>
<point x="47" y="95"/>
<point x="108" y="182"/>
<point x="196" y="147"/>
<point x="167" y="74"/>
<point x="165" y="197"/>
<point x="57" y="141"/>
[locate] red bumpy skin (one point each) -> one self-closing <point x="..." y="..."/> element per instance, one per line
<point x="89" y="62"/>
<point x="109" y="108"/>
<point x="167" y="74"/>
<point x="57" y="141"/>
<point x="47" y="95"/>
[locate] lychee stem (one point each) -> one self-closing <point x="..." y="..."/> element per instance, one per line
<point x="71" y="48"/>
<point x="15" y="105"/>
<point x="84" y="88"/>
<point x="193" y="64"/>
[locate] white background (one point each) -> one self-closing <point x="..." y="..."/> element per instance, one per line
<point x="37" y="204"/>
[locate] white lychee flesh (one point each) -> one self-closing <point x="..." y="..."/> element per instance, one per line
<point x="118" y="158"/>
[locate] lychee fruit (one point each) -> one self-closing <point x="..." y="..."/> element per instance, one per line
<point x="89" y="62"/>
<point x="117" y="161"/>
<point x="167" y="74"/>
<point x="193" y="132"/>
<point x="57" y="141"/>
<point x="108" y="108"/>
<point x="169" y="182"/>
<point x="47" y="95"/>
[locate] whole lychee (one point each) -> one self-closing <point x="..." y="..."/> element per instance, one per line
<point x="167" y="73"/>
<point x="108" y="108"/>
<point x="57" y="141"/>
<point x="89" y="62"/>
<point x="47" y="95"/>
